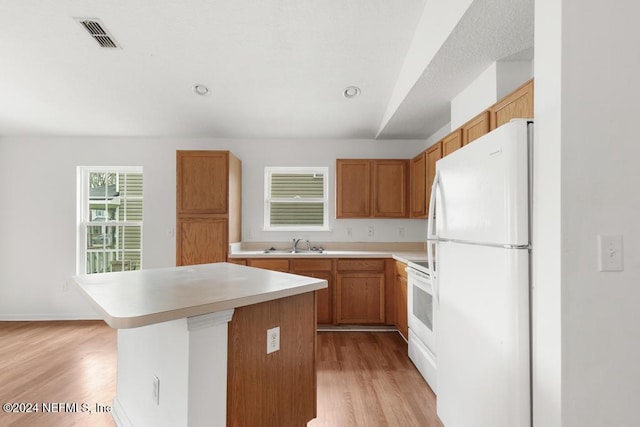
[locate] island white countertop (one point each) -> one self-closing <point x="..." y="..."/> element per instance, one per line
<point x="131" y="299"/>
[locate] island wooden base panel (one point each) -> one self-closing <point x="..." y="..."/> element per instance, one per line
<point x="275" y="389"/>
<point x="364" y="378"/>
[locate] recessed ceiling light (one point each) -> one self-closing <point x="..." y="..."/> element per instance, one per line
<point x="351" y="92"/>
<point x="201" y="90"/>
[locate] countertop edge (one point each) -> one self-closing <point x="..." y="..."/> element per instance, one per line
<point x="134" y="321"/>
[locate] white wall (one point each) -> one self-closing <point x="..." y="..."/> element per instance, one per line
<point x="600" y="152"/>
<point x="438" y="20"/>
<point x="38" y="213"/>
<point x="587" y="343"/>
<point x="547" y="193"/>
<point x="475" y="98"/>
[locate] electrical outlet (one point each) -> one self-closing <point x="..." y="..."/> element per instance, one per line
<point x="273" y="339"/>
<point x="156" y="390"/>
<point x="610" y="253"/>
<point x="370" y="231"/>
<point x="65" y="287"/>
<point x="400" y="231"/>
<point x="349" y="231"/>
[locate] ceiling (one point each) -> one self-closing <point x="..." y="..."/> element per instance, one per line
<point x="275" y="68"/>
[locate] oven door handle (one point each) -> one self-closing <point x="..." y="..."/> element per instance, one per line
<point x="431" y="237"/>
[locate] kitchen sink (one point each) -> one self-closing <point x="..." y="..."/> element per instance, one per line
<point x="290" y="251"/>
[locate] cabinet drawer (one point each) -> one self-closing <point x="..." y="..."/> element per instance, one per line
<point x="270" y="264"/>
<point x="311" y="265"/>
<point x="361" y="264"/>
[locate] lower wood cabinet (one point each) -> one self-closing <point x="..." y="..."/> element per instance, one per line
<point x="360" y="298"/>
<point x="269" y="264"/>
<point x="402" y="320"/>
<point x="321" y="269"/>
<point x="360" y="291"/>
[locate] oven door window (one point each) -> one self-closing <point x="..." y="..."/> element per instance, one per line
<point x="423" y="307"/>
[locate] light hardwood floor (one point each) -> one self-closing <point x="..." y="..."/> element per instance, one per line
<point x="57" y="362"/>
<point x="367" y="379"/>
<point x="364" y="378"/>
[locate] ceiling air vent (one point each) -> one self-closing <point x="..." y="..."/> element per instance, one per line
<point x="97" y="30"/>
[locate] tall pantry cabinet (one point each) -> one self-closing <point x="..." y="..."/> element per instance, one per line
<point x="208" y="205"/>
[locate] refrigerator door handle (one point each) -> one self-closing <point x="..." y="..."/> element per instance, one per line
<point x="431" y="237"/>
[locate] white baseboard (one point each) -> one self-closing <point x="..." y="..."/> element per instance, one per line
<point x="43" y="317"/>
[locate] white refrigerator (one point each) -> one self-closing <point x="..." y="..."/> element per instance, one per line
<point x="481" y="236"/>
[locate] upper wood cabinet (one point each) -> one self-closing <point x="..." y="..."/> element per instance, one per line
<point x="475" y="128"/>
<point x="368" y="188"/>
<point x="452" y="142"/>
<point x="202" y="182"/>
<point x="208" y="205"/>
<point x="353" y="188"/>
<point x="423" y="171"/>
<point x="518" y="104"/>
<point x="390" y="188"/>
<point x="419" y="186"/>
<point x="434" y="153"/>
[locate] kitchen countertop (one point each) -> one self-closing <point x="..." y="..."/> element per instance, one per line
<point x="403" y="256"/>
<point x="131" y="299"/>
<point x="399" y="251"/>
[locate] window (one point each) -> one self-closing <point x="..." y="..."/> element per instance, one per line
<point x="296" y="198"/>
<point x="110" y="215"/>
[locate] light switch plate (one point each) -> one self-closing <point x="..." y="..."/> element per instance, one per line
<point x="610" y="254"/>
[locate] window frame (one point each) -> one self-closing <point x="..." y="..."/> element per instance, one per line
<point x="269" y="171"/>
<point x="84" y="212"/>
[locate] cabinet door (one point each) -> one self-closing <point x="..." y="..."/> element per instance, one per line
<point x="202" y="182"/>
<point x="518" y="104"/>
<point x="390" y="188"/>
<point x="353" y="188"/>
<point x="419" y="186"/>
<point x="360" y="298"/>
<point x="323" y="297"/>
<point x="475" y="127"/>
<point x="321" y="269"/>
<point x="201" y="241"/>
<point x="402" y="321"/>
<point x="433" y="155"/>
<point x="452" y="142"/>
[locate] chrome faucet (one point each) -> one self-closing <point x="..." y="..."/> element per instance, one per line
<point x="294" y="249"/>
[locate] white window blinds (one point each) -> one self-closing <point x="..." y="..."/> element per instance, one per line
<point x="296" y="198"/>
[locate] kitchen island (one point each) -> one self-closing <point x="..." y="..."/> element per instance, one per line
<point x="195" y="344"/>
